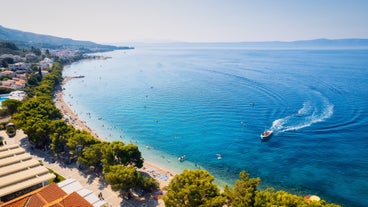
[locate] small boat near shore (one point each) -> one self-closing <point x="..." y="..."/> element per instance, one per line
<point x="181" y="158"/>
<point x="266" y="135"/>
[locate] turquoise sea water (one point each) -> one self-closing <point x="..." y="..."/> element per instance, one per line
<point x="200" y="101"/>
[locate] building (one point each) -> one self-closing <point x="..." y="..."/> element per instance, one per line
<point x="15" y="83"/>
<point x="45" y="63"/>
<point x="19" y="66"/>
<point x="71" y="185"/>
<point x="17" y="95"/>
<point x="64" y="194"/>
<point x="20" y="173"/>
<point x="51" y="195"/>
<point x="7" y="73"/>
<point x="25" y="182"/>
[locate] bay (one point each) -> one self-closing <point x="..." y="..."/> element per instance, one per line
<point x="201" y="101"/>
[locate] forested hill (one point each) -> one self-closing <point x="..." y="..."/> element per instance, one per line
<point x="46" y="41"/>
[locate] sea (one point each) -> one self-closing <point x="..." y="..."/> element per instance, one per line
<point x="210" y="102"/>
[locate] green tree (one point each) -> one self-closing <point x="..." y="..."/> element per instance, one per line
<point x="92" y="155"/>
<point x="118" y="153"/>
<point x="193" y="188"/>
<point x="244" y="191"/>
<point x="128" y="154"/>
<point x="37" y="130"/>
<point x="59" y="131"/>
<point x="121" y="177"/>
<point x="11" y="105"/>
<point x="34" y="117"/>
<point x="36" y="51"/>
<point x="147" y="183"/>
<point x="270" y="198"/>
<point x="78" y="138"/>
<point x="34" y="79"/>
<point x="40" y="106"/>
<point x="9" y="45"/>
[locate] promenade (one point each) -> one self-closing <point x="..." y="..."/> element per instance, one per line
<point x="87" y="179"/>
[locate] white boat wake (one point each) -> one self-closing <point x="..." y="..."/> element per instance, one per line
<point x="306" y="116"/>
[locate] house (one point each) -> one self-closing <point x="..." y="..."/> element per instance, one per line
<point x="8" y="83"/>
<point x="64" y="194"/>
<point x="15" y="83"/>
<point x="31" y="56"/>
<point x="19" y="66"/>
<point x="44" y="72"/>
<point x="16" y="58"/>
<point x="51" y="195"/>
<point x="17" y="95"/>
<point x="7" y="73"/>
<point x="45" y="63"/>
<point x="71" y="185"/>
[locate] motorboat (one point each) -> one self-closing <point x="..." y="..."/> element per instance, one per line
<point x="266" y="134"/>
<point x="181" y="158"/>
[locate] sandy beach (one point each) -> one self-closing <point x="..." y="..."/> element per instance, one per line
<point x="162" y="175"/>
<point x="69" y="116"/>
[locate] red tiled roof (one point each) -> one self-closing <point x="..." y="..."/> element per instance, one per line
<point x="52" y="192"/>
<point x="74" y="200"/>
<point x="17" y="203"/>
<point x="56" y="205"/>
<point x="52" y="196"/>
<point x="35" y="201"/>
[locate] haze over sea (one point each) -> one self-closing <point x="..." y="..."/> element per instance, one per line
<point x="200" y="100"/>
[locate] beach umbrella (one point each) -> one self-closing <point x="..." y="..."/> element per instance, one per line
<point x="314" y="198"/>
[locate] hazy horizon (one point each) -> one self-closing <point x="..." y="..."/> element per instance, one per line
<point x="114" y="21"/>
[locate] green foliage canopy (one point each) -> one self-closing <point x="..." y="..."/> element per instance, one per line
<point x="11" y="105"/>
<point x="193" y="188"/>
<point x="121" y="177"/>
<point x="244" y="191"/>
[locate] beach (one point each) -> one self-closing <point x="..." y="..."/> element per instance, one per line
<point x="69" y="116"/>
<point x="160" y="174"/>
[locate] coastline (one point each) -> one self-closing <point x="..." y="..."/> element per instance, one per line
<point x="159" y="173"/>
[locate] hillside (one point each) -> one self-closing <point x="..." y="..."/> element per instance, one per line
<point x="9" y="48"/>
<point x="28" y="39"/>
<point x="352" y="43"/>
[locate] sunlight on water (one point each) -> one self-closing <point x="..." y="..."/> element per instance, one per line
<point x="207" y="101"/>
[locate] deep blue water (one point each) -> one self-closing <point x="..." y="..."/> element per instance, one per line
<point x="201" y="101"/>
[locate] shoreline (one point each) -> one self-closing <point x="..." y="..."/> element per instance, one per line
<point x="159" y="173"/>
<point x="68" y="114"/>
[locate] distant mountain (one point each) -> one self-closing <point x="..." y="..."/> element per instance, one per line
<point x="46" y="41"/>
<point x="300" y="44"/>
<point x="326" y="43"/>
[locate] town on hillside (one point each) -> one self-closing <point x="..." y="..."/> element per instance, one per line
<point x="18" y="68"/>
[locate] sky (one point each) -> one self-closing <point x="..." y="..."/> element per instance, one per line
<point x="110" y="21"/>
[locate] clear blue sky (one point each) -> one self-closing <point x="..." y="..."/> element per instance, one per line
<point x="189" y="20"/>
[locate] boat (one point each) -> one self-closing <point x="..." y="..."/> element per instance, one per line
<point x="181" y="158"/>
<point x="266" y="134"/>
<point x="219" y="156"/>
